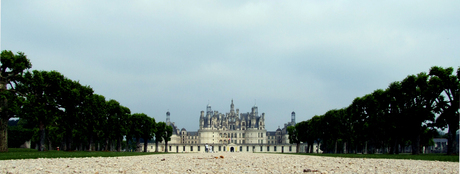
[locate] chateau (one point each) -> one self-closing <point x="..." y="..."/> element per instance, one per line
<point x="232" y="131"/>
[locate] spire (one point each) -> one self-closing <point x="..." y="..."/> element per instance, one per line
<point x="232" y="107"/>
<point x="168" y="118"/>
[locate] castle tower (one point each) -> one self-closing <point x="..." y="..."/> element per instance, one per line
<point x="293" y="117"/>
<point x="168" y="118"/>
<point x="208" y="110"/>
<point x="232" y="107"/>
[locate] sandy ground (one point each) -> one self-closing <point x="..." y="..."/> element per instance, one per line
<point x="225" y="163"/>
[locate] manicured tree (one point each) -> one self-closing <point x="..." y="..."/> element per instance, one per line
<point x="167" y="136"/>
<point x="333" y="127"/>
<point x="379" y="122"/>
<point x="396" y="126"/>
<point x="148" y="130"/>
<point x="159" y="133"/>
<point x="41" y="90"/>
<point x="11" y="70"/>
<point x="294" y="137"/>
<point x="111" y="127"/>
<point x="359" y="117"/>
<point x="315" y="131"/>
<point x="94" y="110"/>
<point x="72" y="99"/>
<point x="122" y="130"/>
<point x="113" y="108"/>
<point x="302" y="131"/>
<point x="421" y="97"/>
<point x="450" y="85"/>
<point x="136" y="126"/>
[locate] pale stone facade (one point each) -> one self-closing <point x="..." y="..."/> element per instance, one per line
<point x="232" y="131"/>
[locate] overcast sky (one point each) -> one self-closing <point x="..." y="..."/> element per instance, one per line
<point x="284" y="56"/>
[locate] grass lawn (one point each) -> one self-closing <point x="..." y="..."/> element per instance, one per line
<point x="17" y="153"/>
<point x="429" y="157"/>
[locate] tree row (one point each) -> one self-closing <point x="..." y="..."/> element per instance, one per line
<point x="406" y="113"/>
<point x="67" y="114"/>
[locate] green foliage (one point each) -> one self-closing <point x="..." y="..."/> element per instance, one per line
<point x="11" y="70"/>
<point x="17" y="135"/>
<point x="427" y="157"/>
<point x="160" y="131"/>
<point x="34" y="154"/>
<point x="403" y="113"/>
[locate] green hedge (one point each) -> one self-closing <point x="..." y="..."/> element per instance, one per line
<point x="18" y="135"/>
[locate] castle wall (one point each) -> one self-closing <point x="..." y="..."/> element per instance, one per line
<point x="219" y="148"/>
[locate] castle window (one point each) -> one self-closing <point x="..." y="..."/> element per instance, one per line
<point x="191" y="148"/>
<point x="198" y="148"/>
<point x="268" y="148"/>
<point x="274" y="148"/>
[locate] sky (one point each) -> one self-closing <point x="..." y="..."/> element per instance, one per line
<point x="283" y="56"/>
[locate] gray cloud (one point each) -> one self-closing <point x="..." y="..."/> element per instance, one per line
<point x="306" y="56"/>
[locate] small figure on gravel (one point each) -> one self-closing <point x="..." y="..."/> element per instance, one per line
<point x="206" y="148"/>
<point x="210" y="149"/>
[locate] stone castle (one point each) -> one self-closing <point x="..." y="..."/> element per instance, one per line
<point x="232" y="131"/>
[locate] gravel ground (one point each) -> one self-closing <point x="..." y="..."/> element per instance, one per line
<point x="225" y="163"/>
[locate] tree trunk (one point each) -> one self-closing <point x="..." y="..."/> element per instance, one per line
<point x="90" y="142"/>
<point x="297" y="147"/>
<point x="156" y="145"/>
<point x="451" y="139"/>
<point x="4" y="120"/>
<point x="50" y="145"/>
<point x="145" y="144"/>
<point x="69" y="140"/>
<point x="335" y="147"/>
<point x="345" y="147"/>
<point x="312" y="147"/>
<point x="107" y="144"/>
<point x="365" y="148"/>
<point x="119" y="144"/>
<point x="138" y="144"/>
<point x="166" y="146"/>
<point x="41" y="146"/>
<point x="416" y="145"/>
<point x="4" y="134"/>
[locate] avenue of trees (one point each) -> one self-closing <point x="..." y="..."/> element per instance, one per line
<point x="59" y="112"/>
<point x="408" y="112"/>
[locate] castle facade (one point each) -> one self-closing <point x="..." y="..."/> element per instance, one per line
<point x="232" y="131"/>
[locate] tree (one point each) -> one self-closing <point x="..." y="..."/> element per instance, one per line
<point x="167" y="136"/>
<point x="148" y="130"/>
<point x="94" y="111"/>
<point x="136" y="124"/>
<point x="72" y="98"/>
<point x="159" y="134"/>
<point x="11" y="71"/>
<point x="294" y="137"/>
<point x="450" y="86"/>
<point x="420" y="97"/>
<point x="117" y="123"/>
<point x="41" y="90"/>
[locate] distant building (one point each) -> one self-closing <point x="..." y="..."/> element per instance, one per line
<point x="232" y="131"/>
